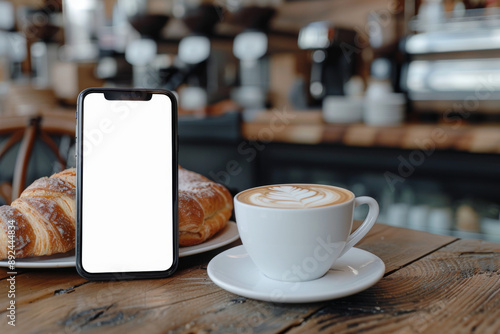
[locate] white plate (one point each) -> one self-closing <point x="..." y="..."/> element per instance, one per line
<point x="227" y="235"/>
<point x="64" y="260"/>
<point x="355" y="271"/>
<point x="224" y="237"/>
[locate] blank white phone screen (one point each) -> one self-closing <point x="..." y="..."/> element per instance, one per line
<point x="127" y="184"/>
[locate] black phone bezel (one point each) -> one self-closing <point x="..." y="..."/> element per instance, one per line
<point x="125" y="94"/>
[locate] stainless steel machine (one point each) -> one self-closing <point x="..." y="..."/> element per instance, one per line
<point x="251" y="48"/>
<point x="454" y="65"/>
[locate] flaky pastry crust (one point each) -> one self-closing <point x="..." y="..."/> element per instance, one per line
<point x="204" y="208"/>
<point x="45" y="214"/>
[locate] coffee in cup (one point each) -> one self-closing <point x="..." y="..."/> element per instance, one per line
<point x="295" y="232"/>
<point x="295" y="196"/>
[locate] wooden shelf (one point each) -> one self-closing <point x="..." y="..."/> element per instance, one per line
<point x="309" y="128"/>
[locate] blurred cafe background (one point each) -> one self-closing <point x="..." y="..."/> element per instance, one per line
<point x="395" y="99"/>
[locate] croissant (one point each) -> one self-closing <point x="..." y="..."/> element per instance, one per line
<point x="44" y="216"/>
<point x="204" y="207"/>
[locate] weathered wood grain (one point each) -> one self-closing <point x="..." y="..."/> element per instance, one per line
<point x="456" y="288"/>
<point x="188" y="301"/>
<point x="3" y="273"/>
<point x="52" y="283"/>
<point x="384" y="241"/>
<point x="33" y="284"/>
<point x="398" y="246"/>
<point x="36" y="284"/>
<point x="94" y="303"/>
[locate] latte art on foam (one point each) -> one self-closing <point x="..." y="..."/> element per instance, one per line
<point x="290" y="196"/>
<point x="294" y="196"/>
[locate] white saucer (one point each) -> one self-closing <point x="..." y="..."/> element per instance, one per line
<point x="234" y="271"/>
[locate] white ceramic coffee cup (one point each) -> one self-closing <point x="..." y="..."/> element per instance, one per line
<point x="290" y="244"/>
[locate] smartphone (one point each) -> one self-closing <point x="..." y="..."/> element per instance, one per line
<point x="126" y="184"/>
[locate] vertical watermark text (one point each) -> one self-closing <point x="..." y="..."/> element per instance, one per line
<point x="11" y="260"/>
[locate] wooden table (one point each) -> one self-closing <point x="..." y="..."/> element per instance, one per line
<point x="432" y="284"/>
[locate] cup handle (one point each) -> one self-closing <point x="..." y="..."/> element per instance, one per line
<point x="367" y="223"/>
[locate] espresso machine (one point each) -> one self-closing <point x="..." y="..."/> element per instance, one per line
<point x="332" y="62"/>
<point x="251" y="47"/>
<point x="455" y="66"/>
<point x="195" y="55"/>
<point x="148" y="18"/>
